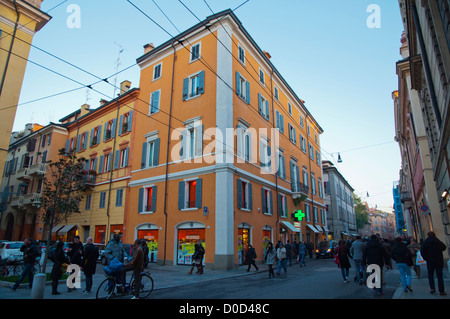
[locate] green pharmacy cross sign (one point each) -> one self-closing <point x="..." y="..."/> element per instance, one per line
<point x="299" y="215"/>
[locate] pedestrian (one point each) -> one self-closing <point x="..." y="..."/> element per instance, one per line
<point x="376" y="254"/>
<point x="357" y="251"/>
<point x="136" y="264"/>
<point x="270" y="258"/>
<point x="295" y="248"/>
<point x="145" y="250"/>
<point x="281" y="255"/>
<point x="30" y="253"/>
<point x="60" y="262"/>
<point x="197" y="258"/>
<point x="90" y="257"/>
<point x="75" y="254"/>
<point x="431" y="251"/>
<point x="302" y="253"/>
<point x="403" y="257"/>
<point x="344" y="262"/>
<point x="288" y="247"/>
<point x="250" y="255"/>
<point x="414" y="248"/>
<point x="310" y="247"/>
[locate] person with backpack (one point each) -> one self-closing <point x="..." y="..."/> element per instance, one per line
<point x="90" y="257"/>
<point x="30" y="253"/>
<point x="403" y="257"/>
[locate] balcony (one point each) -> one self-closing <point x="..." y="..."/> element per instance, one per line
<point x="37" y="169"/>
<point x="22" y="201"/>
<point x="405" y="196"/>
<point x="86" y="180"/>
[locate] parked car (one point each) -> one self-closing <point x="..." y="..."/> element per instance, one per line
<point x="101" y="251"/>
<point x="9" y="248"/>
<point x="327" y="249"/>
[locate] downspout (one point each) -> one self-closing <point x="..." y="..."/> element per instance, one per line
<point x="111" y="165"/>
<point x="310" y="171"/>
<point x="10" y="47"/>
<point x="167" y="156"/>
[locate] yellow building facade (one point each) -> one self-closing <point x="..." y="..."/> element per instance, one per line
<point x="19" y="21"/>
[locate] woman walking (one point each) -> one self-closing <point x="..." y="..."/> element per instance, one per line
<point x="414" y="247"/>
<point x="251" y="256"/>
<point x="403" y="257"/>
<point x="344" y="262"/>
<point x="270" y="259"/>
<point x="59" y="260"/>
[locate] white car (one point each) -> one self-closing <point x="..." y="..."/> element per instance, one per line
<point x="9" y="248"/>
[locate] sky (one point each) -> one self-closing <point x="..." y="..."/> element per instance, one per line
<point x="338" y="56"/>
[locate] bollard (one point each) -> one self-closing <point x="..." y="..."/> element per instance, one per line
<point x="37" y="292"/>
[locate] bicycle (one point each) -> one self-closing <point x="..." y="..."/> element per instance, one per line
<point x="11" y="266"/>
<point x="108" y="287"/>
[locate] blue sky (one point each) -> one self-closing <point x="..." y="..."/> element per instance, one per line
<point x="344" y="70"/>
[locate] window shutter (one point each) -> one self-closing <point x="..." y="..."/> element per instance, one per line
<point x="247" y="147"/>
<point x="67" y="146"/>
<point x="280" y="206"/>
<point x="263" y="201"/>
<point x="271" y="202"/>
<point x="78" y="142"/>
<point x="239" y="193"/>
<point x="259" y="103"/>
<point x="86" y="165"/>
<point x="185" y="89"/>
<point x="120" y="124"/>
<point x="104" y="131"/>
<point x="99" y="136"/>
<point x="250" y="196"/>
<point x="267" y="110"/>
<point x="130" y="120"/>
<point x="292" y="176"/>
<point x="201" y="82"/>
<point x="117" y="159"/>
<point x="86" y="138"/>
<point x="113" y="128"/>
<point x="283" y="166"/>
<point x="199" y="140"/>
<point x="156" y="153"/>
<point x="100" y="166"/>
<point x="144" y="154"/>
<point x="184" y="141"/>
<point x="141" y="200"/>
<point x="281" y="123"/>
<point x="181" y="190"/>
<point x="285" y="206"/>
<point x="127" y="150"/>
<point x="277" y="119"/>
<point x="297" y="172"/>
<point x="238" y="82"/>
<point x="154" y="198"/>
<point x="92" y="136"/>
<point x="247" y="87"/>
<point x="198" y="193"/>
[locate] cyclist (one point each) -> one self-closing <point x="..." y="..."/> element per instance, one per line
<point x="115" y="249"/>
<point x="30" y="253"/>
<point x="136" y="265"/>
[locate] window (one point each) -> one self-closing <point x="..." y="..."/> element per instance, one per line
<point x="261" y="76"/>
<point x="125" y="122"/>
<point x="320" y="187"/>
<point x="154" y="102"/>
<point x="305" y="178"/>
<point x="119" y="197"/>
<point x="311" y="151"/>
<point x="190" y="194"/>
<point x="242" y="88"/>
<point x="292" y="134"/>
<point x="44" y="156"/>
<point x="302" y="143"/>
<point x="323" y="216"/>
<point x="313" y="184"/>
<point x="88" y="202"/>
<point x="102" y="201"/>
<point x="93" y="164"/>
<point x="290" y="108"/>
<point x="315" y="215"/>
<point x="295" y="177"/>
<point x="95" y="135"/>
<point x="276" y="93"/>
<point x="265" y="154"/>
<point x="244" y="194"/>
<point x="195" y="52"/>
<point x="44" y="138"/>
<point x="192" y="141"/>
<point x="307" y="213"/>
<point x="82" y="141"/>
<point x="194" y="85"/>
<point x="157" y="71"/>
<point x="106" y="162"/>
<point x="282" y="205"/>
<point x="301" y="121"/>
<point x="266" y="201"/>
<point x="150" y="153"/>
<point x="318" y="161"/>
<point x="147" y="199"/>
<point x="108" y="130"/>
<point x="263" y="106"/>
<point x="241" y="54"/>
<point x="244" y="142"/>
<point x="279" y="121"/>
<point x="123" y="157"/>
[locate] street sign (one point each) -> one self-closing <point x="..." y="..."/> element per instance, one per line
<point x="424" y="208"/>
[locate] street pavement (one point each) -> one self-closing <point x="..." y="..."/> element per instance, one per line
<point x="174" y="276"/>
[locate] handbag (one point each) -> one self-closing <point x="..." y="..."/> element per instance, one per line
<point x="419" y="259"/>
<point x="336" y="257"/>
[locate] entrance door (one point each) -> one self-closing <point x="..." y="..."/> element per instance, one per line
<point x="187" y="238"/>
<point x="243" y="242"/>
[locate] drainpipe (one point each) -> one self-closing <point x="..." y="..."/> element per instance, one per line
<point x="10" y="47"/>
<point x="167" y="155"/>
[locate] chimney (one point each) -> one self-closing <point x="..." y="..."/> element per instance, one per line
<point x="124" y="87"/>
<point x="267" y="54"/>
<point x="84" y="109"/>
<point x="103" y="102"/>
<point x="148" y="47"/>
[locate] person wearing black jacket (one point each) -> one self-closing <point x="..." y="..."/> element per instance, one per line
<point x="375" y="253"/>
<point x="75" y="254"/>
<point x="57" y="270"/>
<point x="403" y="257"/>
<point x="250" y="256"/>
<point x="90" y="257"/>
<point x="431" y="251"/>
<point x="30" y="253"/>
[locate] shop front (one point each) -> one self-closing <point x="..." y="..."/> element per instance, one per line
<point x="149" y="232"/>
<point x="243" y="241"/>
<point x="188" y="235"/>
<point x="100" y="233"/>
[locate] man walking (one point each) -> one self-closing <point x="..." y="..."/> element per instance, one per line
<point x="137" y="266"/>
<point x="374" y="253"/>
<point x="431" y="251"/>
<point x="357" y="251"/>
<point x="281" y="255"/>
<point x="30" y="253"/>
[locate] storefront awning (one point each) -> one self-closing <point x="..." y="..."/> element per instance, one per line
<point x="325" y="228"/>
<point x="65" y="229"/>
<point x="318" y="228"/>
<point x="312" y="228"/>
<point x="291" y="227"/>
<point x="56" y="228"/>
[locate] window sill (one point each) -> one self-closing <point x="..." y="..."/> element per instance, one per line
<point x="189" y="209"/>
<point x="146" y="213"/>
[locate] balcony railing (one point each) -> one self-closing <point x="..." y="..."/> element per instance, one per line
<point x="405" y="196"/>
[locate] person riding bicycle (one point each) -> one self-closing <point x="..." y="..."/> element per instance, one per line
<point x="115" y="249"/>
<point x="136" y="265"/>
